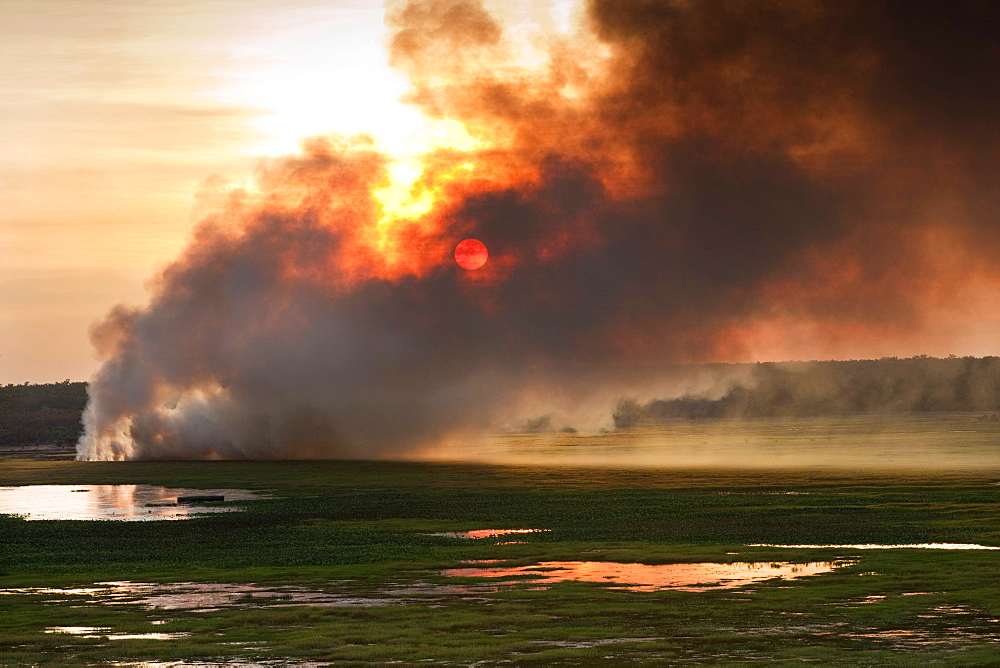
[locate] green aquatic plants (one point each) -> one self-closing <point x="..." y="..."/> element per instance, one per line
<point x="356" y="534"/>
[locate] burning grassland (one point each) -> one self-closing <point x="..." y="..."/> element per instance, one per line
<point x="655" y="183"/>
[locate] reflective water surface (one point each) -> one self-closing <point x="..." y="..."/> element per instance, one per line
<point x="209" y="596"/>
<point x="103" y="632"/>
<point x="485" y="533"/>
<point x="912" y="639"/>
<point x="266" y="663"/>
<point x="876" y="546"/>
<point x="111" y="502"/>
<point x="645" y="577"/>
<point x="85" y="631"/>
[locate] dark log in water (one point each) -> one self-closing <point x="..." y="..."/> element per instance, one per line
<point x="200" y="498"/>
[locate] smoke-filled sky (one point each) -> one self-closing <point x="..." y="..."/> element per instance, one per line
<point x="117" y="113"/>
<point x="657" y="182"/>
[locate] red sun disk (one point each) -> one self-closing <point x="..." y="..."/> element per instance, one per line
<point x="471" y="254"/>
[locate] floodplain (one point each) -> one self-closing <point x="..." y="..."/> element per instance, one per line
<point x="359" y="562"/>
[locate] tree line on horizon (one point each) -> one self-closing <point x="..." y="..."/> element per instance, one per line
<point x="919" y="384"/>
<point x="42" y="414"/>
<point x="50" y="413"/>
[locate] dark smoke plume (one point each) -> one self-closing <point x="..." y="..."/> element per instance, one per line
<point x="673" y="180"/>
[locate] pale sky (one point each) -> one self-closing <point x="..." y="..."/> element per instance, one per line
<point x="116" y="111"/>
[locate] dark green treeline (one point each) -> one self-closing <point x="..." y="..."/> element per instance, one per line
<point x="41" y="414"/>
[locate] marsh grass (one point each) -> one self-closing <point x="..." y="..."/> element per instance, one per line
<point x="363" y="526"/>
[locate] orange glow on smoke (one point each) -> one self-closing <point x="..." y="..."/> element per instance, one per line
<point x="407" y="213"/>
<point x="406" y="236"/>
<point x="500" y="115"/>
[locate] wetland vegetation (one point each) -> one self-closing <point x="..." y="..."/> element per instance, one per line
<point x="349" y="562"/>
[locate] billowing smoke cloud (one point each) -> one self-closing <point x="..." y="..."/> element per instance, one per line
<point x="673" y="182"/>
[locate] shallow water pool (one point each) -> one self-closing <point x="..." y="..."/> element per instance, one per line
<point x="879" y="546"/>
<point x="655" y="577"/>
<point x="111" y="502"/>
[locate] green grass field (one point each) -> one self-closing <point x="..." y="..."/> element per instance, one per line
<point x="359" y="529"/>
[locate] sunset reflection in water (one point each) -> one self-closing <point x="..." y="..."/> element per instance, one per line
<point x="108" y="502"/>
<point x="645" y="577"/>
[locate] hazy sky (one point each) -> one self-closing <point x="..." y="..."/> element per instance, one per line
<point x="115" y="112"/>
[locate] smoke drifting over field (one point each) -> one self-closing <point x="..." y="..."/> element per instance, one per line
<point x="820" y="389"/>
<point x="669" y="182"/>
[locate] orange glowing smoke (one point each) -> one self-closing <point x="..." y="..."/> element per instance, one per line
<point x="666" y="182"/>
